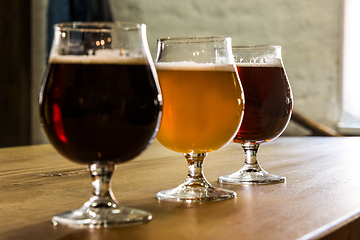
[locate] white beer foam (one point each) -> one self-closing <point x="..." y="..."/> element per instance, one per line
<point x="261" y="62"/>
<point x="193" y="66"/>
<point x="102" y="56"/>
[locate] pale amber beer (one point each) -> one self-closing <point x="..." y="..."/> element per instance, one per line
<point x="202" y="106"/>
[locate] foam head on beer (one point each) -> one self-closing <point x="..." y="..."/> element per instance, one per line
<point x="193" y="66"/>
<point x="101" y="56"/>
<point x="260" y="62"/>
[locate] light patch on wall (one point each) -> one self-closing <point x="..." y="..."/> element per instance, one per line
<point x="350" y="120"/>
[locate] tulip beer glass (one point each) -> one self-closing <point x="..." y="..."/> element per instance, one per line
<point x="100" y="105"/>
<point x="203" y="108"/>
<point x="268" y="107"/>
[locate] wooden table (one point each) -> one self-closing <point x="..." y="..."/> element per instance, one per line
<point x="320" y="199"/>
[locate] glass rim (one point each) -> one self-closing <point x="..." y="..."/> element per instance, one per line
<point x="79" y="26"/>
<point x="192" y="39"/>
<point x="257" y="47"/>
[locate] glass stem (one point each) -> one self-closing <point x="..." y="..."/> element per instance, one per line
<point x="251" y="163"/>
<point x="101" y="181"/>
<point x="195" y="167"/>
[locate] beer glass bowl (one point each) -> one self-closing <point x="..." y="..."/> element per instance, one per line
<point x="100" y="105"/>
<point x="268" y="99"/>
<point x="202" y="111"/>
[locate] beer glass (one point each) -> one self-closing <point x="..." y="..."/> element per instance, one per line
<point x="203" y="108"/>
<point x="100" y="105"/>
<point x="268" y="99"/>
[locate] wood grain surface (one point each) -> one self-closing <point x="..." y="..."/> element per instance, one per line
<point x="319" y="200"/>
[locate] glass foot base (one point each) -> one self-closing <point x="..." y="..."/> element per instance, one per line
<point x="251" y="177"/>
<point x="102" y="217"/>
<point x="186" y="193"/>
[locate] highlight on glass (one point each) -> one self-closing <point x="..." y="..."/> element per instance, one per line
<point x="202" y="111"/>
<point x="268" y="100"/>
<point x="100" y="105"/>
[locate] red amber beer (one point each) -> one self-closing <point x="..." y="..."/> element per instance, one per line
<point x="268" y="107"/>
<point x="268" y="101"/>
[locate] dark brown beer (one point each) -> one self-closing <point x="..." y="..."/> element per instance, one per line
<point x="268" y="102"/>
<point x="99" y="112"/>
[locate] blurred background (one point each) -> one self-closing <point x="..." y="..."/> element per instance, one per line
<point x="311" y="34"/>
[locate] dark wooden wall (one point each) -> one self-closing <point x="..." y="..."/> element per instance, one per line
<point x="15" y="72"/>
